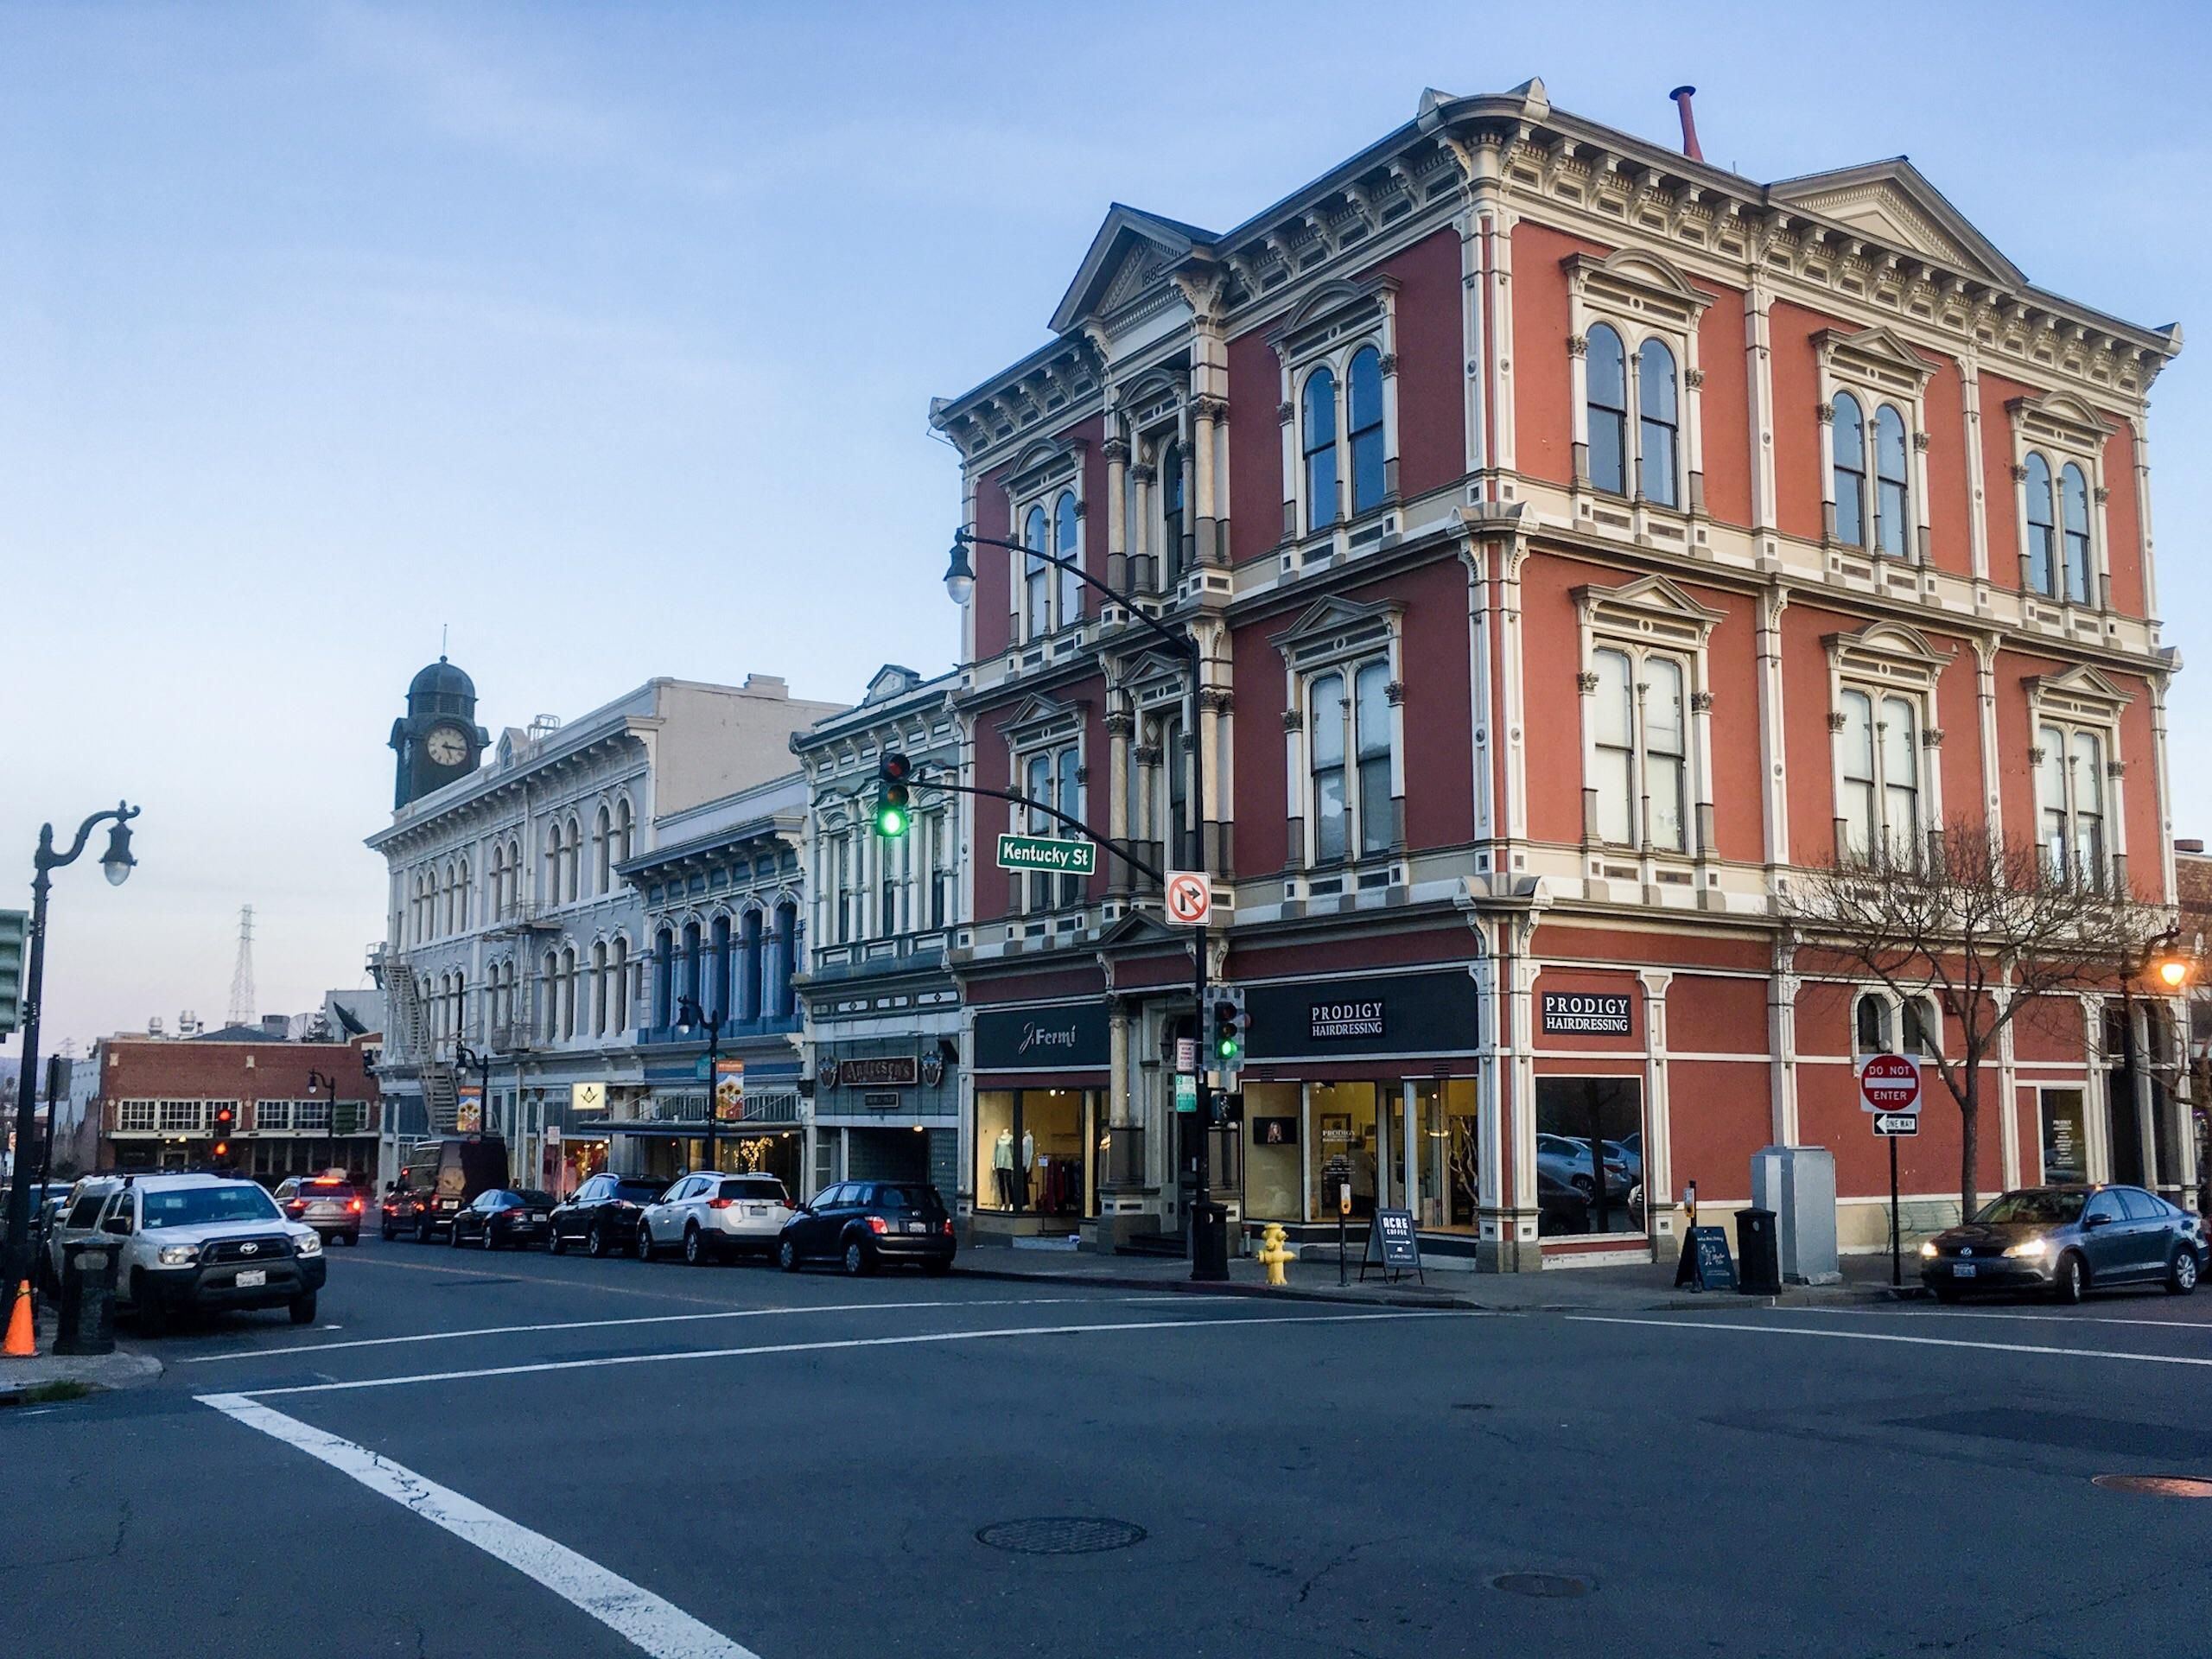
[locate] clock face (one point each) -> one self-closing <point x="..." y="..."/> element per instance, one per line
<point x="447" y="745"/>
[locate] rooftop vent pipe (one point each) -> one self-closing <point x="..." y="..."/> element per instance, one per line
<point x="1681" y="95"/>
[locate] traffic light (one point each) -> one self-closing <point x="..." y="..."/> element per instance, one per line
<point x="225" y="1119"/>
<point x="1228" y="1029"/>
<point x="14" y="936"/>
<point x="893" y="811"/>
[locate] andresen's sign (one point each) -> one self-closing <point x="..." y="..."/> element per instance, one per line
<point x="1066" y="1038"/>
<point x="1587" y="1013"/>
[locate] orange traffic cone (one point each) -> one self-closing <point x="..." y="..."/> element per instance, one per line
<point x="19" y="1345"/>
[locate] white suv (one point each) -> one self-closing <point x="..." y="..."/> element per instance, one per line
<point x="194" y="1241"/>
<point x="718" y="1216"/>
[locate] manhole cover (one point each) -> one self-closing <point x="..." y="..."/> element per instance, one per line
<point x="2156" y="1485"/>
<point x="1550" y="1585"/>
<point x="1060" y="1534"/>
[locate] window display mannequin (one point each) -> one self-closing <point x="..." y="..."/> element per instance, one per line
<point x="1002" y="1169"/>
<point x="1028" y="1165"/>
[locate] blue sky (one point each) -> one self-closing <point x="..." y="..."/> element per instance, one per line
<point x="606" y="336"/>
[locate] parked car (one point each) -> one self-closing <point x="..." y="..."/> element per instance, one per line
<point x="330" y="1203"/>
<point x="517" y="1217"/>
<point x="603" y="1212"/>
<point x="2068" y="1240"/>
<point x="862" y="1225"/>
<point x="197" y="1241"/>
<point x="438" y="1179"/>
<point x="1569" y="1157"/>
<point x="713" y="1216"/>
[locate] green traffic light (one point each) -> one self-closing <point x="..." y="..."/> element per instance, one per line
<point x="890" y="820"/>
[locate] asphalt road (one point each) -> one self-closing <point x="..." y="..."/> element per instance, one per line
<point x="499" y="1455"/>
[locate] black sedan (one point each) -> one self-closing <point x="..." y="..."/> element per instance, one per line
<point x="520" y="1216"/>
<point x="603" y="1213"/>
<point x="2068" y="1241"/>
<point x="861" y="1225"/>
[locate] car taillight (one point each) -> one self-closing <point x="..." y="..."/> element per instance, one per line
<point x="877" y="1225"/>
<point x="790" y="1204"/>
<point x="720" y="1204"/>
<point x="355" y="1206"/>
<point x="948" y="1226"/>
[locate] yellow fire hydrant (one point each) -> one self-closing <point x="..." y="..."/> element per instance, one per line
<point x="1274" y="1250"/>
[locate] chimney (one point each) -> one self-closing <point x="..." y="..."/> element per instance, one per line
<point x="1681" y="95"/>
<point x="2193" y="845"/>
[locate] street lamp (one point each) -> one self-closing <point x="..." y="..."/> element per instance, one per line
<point x="687" y="1019"/>
<point x="116" y="864"/>
<point x="2160" y="961"/>
<point x="481" y="1064"/>
<point x="1209" y="1250"/>
<point x="319" y="1081"/>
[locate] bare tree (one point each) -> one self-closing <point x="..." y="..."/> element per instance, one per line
<point x="1988" y="927"/>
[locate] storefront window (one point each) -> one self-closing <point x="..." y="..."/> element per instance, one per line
<point x="1343" y="1116"/>
<point x="1577" y="1120"/>
<point x="1271" y="1167"/>
<point x="1446" y="1156"/>
<point x="1029" y="1145"/>
<point x="2065" y="1148"/>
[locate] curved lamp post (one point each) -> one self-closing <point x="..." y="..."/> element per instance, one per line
<point x="116" y="863"/>
<point x="1208" y="1253"/>
<point x="689" y="1017"/>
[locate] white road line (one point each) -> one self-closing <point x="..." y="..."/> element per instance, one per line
<point x="1882" y="1336"/>
<point x="660" y="1628"/>
<point x="1999" y="1313"/>
<point x="825" y="1347"/>
<point x="601" y="1324"/>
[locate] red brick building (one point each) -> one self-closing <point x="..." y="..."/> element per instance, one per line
<point x="158" y="1100"/>
<point x="1579" y="537"/>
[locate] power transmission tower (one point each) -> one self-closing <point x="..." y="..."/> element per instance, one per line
<point x="242" y="996"/>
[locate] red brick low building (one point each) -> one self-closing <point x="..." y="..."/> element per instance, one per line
<point x="1579" y="538"/>
<point x="295" y="1107"/>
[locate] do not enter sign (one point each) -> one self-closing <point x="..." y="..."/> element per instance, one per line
<point x="1888" y="1083"/>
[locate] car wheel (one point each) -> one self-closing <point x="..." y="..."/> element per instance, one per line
<point x="787" y="1256"/>
<point x="352" y="1240"/>
<point x="643" y="1243"/>
<point x="421" y="1229"/>
<point x="595" y="1243"/>
<point x="303" y="1309"/>
<point x="555" y="1242"/>
<point x="152" y="1317"/>
<point x="856" y="1258"/>
<point x="695" y="1248"/>
<point x="2072" y="1281"/>
<point x="384" y="1231"/>
<point x="1948" y="1293"/>
<point x="2181" y="1277"/>
<point x="453" y="1235"/>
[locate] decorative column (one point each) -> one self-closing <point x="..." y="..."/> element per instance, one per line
<point x="2008" y="1084"/>
<point x="1214" y="703"/>
<point x="1977" y="484"/>
<point x="1118" y="514"/>
<point x="1120" y="725"/>
<point x="1124" y="1170"/>
<point x="1782" y="987"/>
<point x="1144" y="559"/>
<point x="1658" y="1150"/>
<point x="1206" y="414"/>
<point x="1774" y="796"/>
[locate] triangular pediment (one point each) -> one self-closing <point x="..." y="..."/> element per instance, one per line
<point x="1654" y="597"/>
<point x="2079" y="690"/>
<point x="2061" y="417"/>
<point x="1878" y="345"/>
<point x="1127" y="258"/>
<point x="1337" y="620"/>
<point x="1034" y="716"/>
<point x="1893" y="203"/>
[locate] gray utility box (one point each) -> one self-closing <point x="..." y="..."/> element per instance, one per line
<point x="1798" y="1183"/>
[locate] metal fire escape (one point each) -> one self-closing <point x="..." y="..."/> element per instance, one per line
<point x="408" y="1052"/>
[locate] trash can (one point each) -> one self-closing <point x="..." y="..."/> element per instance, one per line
<point x="1210" y="1244"/>
<point x="88" y="1325"/>
<point x="1758" y="1253"/>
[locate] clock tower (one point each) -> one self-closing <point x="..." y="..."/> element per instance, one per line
<point x="438" y="739"/>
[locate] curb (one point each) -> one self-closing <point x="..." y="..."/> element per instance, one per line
<point x="140" y="1370"/>
<point x="1185" y="1286"/>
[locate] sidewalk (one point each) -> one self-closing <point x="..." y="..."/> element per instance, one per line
<point x="1313" y="1278"/>
<point x="124" y="1368"/>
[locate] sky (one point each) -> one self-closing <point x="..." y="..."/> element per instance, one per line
<point x="604" y="336"/>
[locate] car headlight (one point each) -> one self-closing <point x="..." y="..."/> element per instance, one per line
<point x="1928" y="1250"/>
<point x="311" y="1245"/>
<point x="2033" y="1248"/>
<point x="179" y="1256"/>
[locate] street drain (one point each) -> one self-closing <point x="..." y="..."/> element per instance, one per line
<point x="2155" y="1485"/>
<point x="1547" y="1586"/>
<point x="1060" y="1534"/>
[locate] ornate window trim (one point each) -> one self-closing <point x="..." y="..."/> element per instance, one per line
<point x="1339" y="635"/>
<point x="1888" y="659"/>
<point x="1641" y="296"/>
<point x="1333" y="326"/>
<point x="1645" y="617"/>
<point x="2063" y="429"/>
<point x="1876" y="366"/>
<point x="2081" y="700"/>
<point x="1046" y="471"/>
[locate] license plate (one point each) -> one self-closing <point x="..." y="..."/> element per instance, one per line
<point x="252" y="1276"/>
<point x="918" y="1226"/>
<point x="756" y="1210"/>
<point x="1963" y="1270"/>
<point x="537" y="1215"/>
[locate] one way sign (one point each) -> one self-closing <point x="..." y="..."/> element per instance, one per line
<point x="1896" y="1122"/>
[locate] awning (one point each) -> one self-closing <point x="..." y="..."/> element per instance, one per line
<point x="697" y="1131"/>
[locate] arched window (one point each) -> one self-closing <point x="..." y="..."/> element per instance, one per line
<point x="663" y="1008"/>
<point x="1171" y="512"/>
<point x="614" y="989"/>
<point x="467" y="885"/>
<point x="549" y="983"/>
<point x="2043" y="531"/>
<point x="623" y="825"/>
<point x="514" y="874"/>
<point x="1607" y="404"/>
<point x="716" y="1002"/>
<point x="1612" y="721"/>
<point x="495" y="882"/>
<point x="1067" y="543"/>
<point x="1924" y="1026"/>
<point x="553" y="864"/>
<point x="1892" y="516"/>
<point x="2073" y="498"/>
<point x="748" y="967"/>
<point x="787" y="936"/>
<point x="572" y="858"/>
<point x="1900" y="777"/>
<point x="1850" y="443"/>
<point x="568" y="991"/>
<point x="1870" y="1025"/>
<point x="460" y="1003"/>
<point x="1037" y="579"/>
<point x="1659" y="424"/>
<point x="689" y="985"/>
<point x="1332" y="818"/>
<point x="1368" y="475"/>
<point x="598" y="989"/>
<point x="1317" y="432"/>
<point x="602" y="849"/>
<point x="1666" y="753"/>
